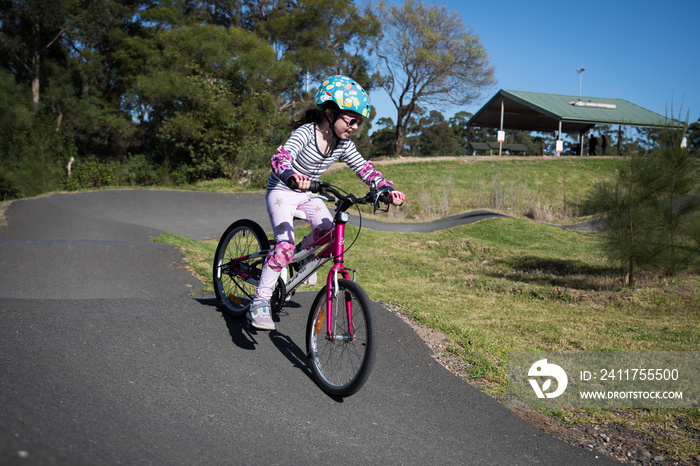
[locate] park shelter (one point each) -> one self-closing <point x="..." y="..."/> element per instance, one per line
<point x="539" y="112"/>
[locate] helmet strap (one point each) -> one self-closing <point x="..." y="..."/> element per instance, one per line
<point x="336" y="116"/>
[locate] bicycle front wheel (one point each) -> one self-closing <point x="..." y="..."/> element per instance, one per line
<point x="342" y="360"/>
<point x="235" y="280"/>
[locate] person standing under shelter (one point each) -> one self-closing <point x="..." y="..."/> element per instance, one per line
<point x="604" y="143"/>
<point x="592" y="144"/>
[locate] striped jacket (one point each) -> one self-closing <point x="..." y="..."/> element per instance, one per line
<point x="300" y="155"/>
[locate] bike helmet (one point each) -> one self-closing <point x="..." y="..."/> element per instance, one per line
<point x="345" y="93"/>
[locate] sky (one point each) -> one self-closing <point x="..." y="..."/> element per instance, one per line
<point x="646" y="52"/>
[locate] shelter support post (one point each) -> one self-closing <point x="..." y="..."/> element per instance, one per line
<point x="500" y="143"/>
<point x="559" y="145"/>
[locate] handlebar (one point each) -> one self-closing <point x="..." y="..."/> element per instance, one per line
<point x="374" y="196"/>
<point x="314" y="188"/>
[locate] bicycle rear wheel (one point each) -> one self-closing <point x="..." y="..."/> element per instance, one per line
<point x="341" y="362"/>
<point x="235" y="286"/>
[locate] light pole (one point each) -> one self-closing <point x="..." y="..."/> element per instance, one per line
<point x="580" y="79"/>
<point x="580" y="85"/>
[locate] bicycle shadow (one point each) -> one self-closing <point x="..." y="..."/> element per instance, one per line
<point x="290" y="350"/>
<point x="245" y="336"/>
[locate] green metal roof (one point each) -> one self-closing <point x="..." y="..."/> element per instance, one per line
<point x="534" y="111"/>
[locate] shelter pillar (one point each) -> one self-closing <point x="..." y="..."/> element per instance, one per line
<point x="559" y="144"/>
<point x="500" y="142"/>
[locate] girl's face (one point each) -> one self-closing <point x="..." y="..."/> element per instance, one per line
<point x="346" y="124"/>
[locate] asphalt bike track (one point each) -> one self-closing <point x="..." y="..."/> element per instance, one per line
<point x="108" y="355"/>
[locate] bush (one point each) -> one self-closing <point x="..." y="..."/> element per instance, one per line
<point x="7" y="189"/>
<point x="90" y="174"/>
<point x="185" y="174"/>
<point x="136" y="170"/>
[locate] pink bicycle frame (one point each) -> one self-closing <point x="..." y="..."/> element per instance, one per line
<point x="335" y="249"/>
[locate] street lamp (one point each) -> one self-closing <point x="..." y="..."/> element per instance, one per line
<point x="580" y="79"/>
<point x="580" y="84"/>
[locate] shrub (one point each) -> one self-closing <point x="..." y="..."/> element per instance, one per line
<point x="649" y="211"/>
<point x="136" y="170"/>
<point x="91" y="173"/>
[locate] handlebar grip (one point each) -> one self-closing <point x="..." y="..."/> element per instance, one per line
<point x="385" y="198"/>
<point x="314" y="188"/>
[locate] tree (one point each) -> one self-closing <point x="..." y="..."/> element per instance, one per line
<point x="29" y="30"/>
<point x="435" y="138"/>
<point x="428" y="57"/>
<point x="525" y="138"/>
<point x="319" y="37"/>
<point x="458" y="123"/>
<point x="383" y="139"/>
<point x="675" y="182"/>
<point x="624" y="207"/>
<point x="210" y="102"/>
<point x="694" y="137"/>
<point x="648" y="211"/>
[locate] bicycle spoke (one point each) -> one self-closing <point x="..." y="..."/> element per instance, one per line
<point x="341" y="364"/>
<point x="233" y="291"/>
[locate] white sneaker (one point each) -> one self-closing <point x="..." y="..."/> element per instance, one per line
<point x="260" y="316"/>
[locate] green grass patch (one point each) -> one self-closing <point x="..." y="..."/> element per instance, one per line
<point x="199" y="256"/>
<point x="547" y="189"/>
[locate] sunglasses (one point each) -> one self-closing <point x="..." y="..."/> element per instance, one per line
<point x="350" y="120"/>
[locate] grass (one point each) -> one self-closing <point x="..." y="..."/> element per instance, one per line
<point x="439" y="188"/>
<point x="3" y="207"/>
<point x="511" y="284"/>
<point x="542" y="189"/>
<point x="200" y="255"/>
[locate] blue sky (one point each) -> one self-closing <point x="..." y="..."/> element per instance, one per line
<point x="646" y="52"/>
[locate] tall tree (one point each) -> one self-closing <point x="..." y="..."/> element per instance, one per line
<point x="458" y="123"/>
<point x="321" y="38"/>
<point x="648" y="211"/>
<point x="436" y="137"/>
<point x="384" y="138"/>
<point x="29" y="30"/>
<point x="210" y="101"/>
<point x="428" y="57"/>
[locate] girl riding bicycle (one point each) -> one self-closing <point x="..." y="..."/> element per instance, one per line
<point x="319" y="139"/>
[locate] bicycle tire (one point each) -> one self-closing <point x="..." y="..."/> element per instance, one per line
<point x="341" y="367"/>
<point x="233" y="293"/>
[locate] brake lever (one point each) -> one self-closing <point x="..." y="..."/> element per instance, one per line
<point x="377" y="203"/>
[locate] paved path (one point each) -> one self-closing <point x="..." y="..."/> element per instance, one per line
<point x="106" y="358"/>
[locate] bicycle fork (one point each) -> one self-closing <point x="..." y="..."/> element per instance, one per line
<point x="332" y="289"/>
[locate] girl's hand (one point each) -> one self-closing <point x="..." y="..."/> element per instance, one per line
<point x="303" y="182"/>
<point x="397" y="198"/>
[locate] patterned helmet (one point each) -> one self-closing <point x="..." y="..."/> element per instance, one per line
<point x="346" y="93"/>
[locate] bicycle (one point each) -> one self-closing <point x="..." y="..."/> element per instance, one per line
<point x="342" y="356"/>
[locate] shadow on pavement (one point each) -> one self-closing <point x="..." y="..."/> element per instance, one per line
<point x="244" y="335"/>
